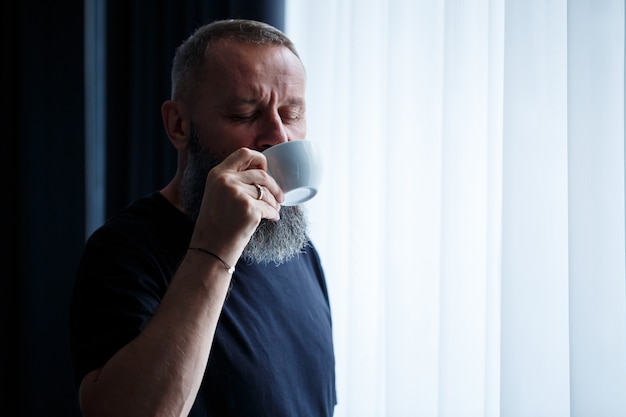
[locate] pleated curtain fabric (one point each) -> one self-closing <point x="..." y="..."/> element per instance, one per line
<point x="471" y="219"/>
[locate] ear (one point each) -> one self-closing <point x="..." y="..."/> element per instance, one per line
<point x="176" y="122"/>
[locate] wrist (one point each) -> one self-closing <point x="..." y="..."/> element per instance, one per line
<point x="229" y="268"/>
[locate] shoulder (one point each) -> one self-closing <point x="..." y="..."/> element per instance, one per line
<point x="142" y="218"/>
<point x="148" y="235"/>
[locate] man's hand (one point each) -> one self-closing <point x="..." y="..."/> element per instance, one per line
<point x="231" y="209"/>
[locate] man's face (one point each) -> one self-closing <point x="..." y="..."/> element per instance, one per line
<point x="252" y="96"/>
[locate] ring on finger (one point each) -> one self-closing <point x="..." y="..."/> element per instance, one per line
<point x="261" y="191"/>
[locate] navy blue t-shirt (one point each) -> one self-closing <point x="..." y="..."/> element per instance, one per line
<point x="272" y="354"/>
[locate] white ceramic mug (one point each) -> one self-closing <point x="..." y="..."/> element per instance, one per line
<point x="297" y="168"/>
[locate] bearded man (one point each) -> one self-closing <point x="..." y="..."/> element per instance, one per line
<point x="207" y="298"/>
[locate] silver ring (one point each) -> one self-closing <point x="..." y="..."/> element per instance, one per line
<point x="261" y="191"/>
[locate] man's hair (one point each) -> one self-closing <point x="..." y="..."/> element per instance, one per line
<point x="188" y="64"/>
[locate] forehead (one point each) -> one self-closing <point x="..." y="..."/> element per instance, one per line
<point x="233" y="67"/>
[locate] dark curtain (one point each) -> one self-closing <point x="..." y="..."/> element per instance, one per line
<point x="142" y="41"/>
<point x="43" y="163"/>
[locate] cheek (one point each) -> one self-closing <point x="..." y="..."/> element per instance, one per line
<point x="227" y="139"/>
<point x="297" y="130"/>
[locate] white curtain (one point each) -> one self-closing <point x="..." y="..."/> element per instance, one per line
<point x="471" y="220"/>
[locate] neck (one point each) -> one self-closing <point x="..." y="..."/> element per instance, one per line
<point x="172" y="192"/>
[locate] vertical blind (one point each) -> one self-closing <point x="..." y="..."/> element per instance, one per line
<point x="471" y="220"/>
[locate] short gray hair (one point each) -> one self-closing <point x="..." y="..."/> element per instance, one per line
<point x="189" y="58"/>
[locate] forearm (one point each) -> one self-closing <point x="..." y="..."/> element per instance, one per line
<point x="159" y="373"/>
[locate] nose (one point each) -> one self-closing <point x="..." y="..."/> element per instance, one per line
<point x="272" y="131"/>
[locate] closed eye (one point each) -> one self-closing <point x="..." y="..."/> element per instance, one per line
<point x="291" y="115"/>
<point x="244" y="117"/>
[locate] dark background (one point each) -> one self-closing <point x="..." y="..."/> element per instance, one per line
<point x="42" y="124"/>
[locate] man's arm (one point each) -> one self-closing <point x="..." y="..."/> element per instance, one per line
<point x="159" y="373"/>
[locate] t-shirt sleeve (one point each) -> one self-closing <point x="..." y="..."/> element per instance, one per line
<point x="115" y="295"/>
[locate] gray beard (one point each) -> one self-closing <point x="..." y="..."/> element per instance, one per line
<point x="273" y="241"/>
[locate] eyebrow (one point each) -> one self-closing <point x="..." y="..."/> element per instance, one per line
<point x="294" y="101"/>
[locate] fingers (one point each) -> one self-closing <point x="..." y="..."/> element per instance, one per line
<point x="261" y="191"/>
<point x="252" y="167"/>
<point x="240" y="184"/>
<point x="266" y="199"/>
